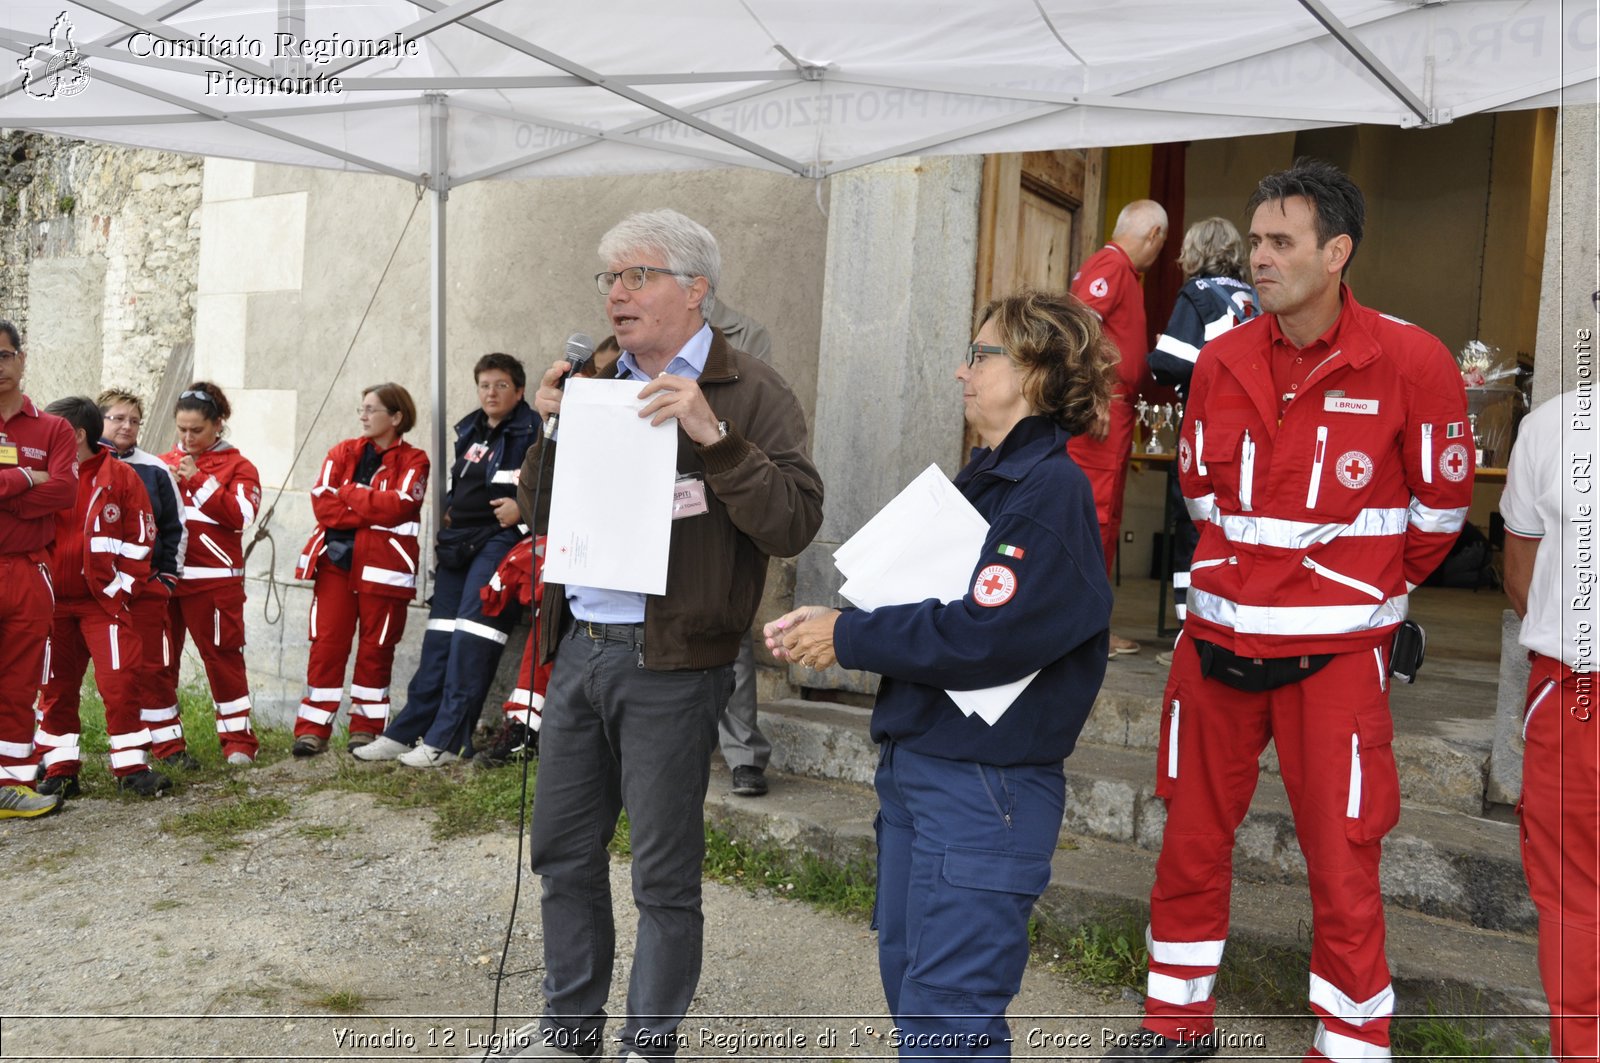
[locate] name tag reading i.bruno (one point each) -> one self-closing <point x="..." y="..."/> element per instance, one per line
<point x="1340" y="404"/>
<point x="688" y="497"/>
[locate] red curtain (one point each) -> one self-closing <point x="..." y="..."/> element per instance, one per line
<point x="1162" y="280"/>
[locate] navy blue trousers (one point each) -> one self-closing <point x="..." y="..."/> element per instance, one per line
<point x="963" y="853"/>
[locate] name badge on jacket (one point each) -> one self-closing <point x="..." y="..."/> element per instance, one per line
<point x="476" y="452"/>
<point x="1340" y="404"/>
<point x="688" y="497"/>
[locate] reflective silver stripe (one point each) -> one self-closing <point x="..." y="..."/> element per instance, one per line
<point x="1185" y="953"/>
<point x="1247" y="471"/>
<point x="405" y="482"/>
<point x="216" y="627"/>
<point x="224" y="708"/>
<point x="247" y="510"/>
<point x="207" y="489"/>
<point x="116" y="649"/>
<point x="312" y="714"/>
<point x="483" y="631"/>
<point x="1341" y="1049"/>
<point x="122" y="582"/>
<point x="388" y="577"/>
<point x="383" y="635"/>
<point x="403" y="555"/>
<point x="1217" y="326"/>
<point x="158" y="715"/>
<point x="1352" y="805"/>
<point x="1177" y="348"/>
<point x="193" y="514"/>
<point x="126" y="758"/>
<point x="217" y="551"/>
<point x="1201" y="509"/>
<point x="190" y="572"/>
<point x="1179" y="991"/>
<point x="1427" y="453"/>
<point x="1296" y="619"/>
<point x="520" y="696"/>
<point x="523" y="716"/>
<point x="105" y="544"/>
<point x="1327" y="996"/>
<point x="1316" y="467"/>
<point x="227" y="724"/>
<point x="324" y="693"/>
<point x="368" y="693"/>
<point x="410" y="527"/>
<point x="327" y="475"/>
<point x="1538" y="699"/>
<point x="1180" y="580"/>
<point x="1339" y="577"/>
<point x="1427" y="519"/>
<point x="1172" y="743"/>
<point x="374" y="711"/>
<point x="1383" y="673"/>
<point x="23" y="773"/>
<point x="59" y="754"/>
<point x="1200" y="448"/>
<point x="441" y="625"/>
<point x="1197" y="566"/>
<point x="166" y="734"/>
<point x="313" y="617"/>
<point x="1301" y="535"/>
<point x="505" y="476"/>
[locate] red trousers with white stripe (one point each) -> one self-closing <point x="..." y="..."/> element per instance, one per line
<point x="214" y="618"/>
<point x="82" y="631"/>
<point x="525" y="704"/>
<point x="26" y="604"/>
<point x="1560" y="812"/>
<point x="1333" y="736"/>
<point x="336" y="611"/>
<point x="157" y="686"/>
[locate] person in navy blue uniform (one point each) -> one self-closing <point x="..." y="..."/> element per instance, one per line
<point x="462" y="647"/>
<point x="970" y="812"/>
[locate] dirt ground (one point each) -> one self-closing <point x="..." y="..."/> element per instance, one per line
<point x="343" y="930"/>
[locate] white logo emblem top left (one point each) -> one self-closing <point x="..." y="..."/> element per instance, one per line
<point x="55" y="68"/>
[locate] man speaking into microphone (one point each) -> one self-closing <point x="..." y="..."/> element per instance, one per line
<point x="630" y="717"/>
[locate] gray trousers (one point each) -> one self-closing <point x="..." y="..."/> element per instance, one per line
<point x="617" y="735"/>
<point x="743" y="744"/>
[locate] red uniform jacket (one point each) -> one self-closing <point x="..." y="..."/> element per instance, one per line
<point x="218" y="505"/>
<point x="521" y="577"/>
<point x="1109" y="285"/>
<point x="102" y="547"/>
<point x="385" y="516"/>
<point x="27" y="514"/>
<point x="1312" y="529"/>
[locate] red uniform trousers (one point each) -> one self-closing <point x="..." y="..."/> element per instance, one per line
<point x="1333" y="733"/>
<point x="80" y="632"/>
<point x="1560" y="812"/>
<point x="215" y="618"/>
<point x="26" y="604"/>
<point x="336" y="608"/>
<point x="525" y="704"/>
<point x="157" y="680"/>
<point x="1105" y="463"/>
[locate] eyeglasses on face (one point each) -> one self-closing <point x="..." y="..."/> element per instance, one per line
<point x="371" y="411"/>
<point x="632" y="278"/>
<point x="977" y="352"/>
<point x="123" y="418"/>
<point x="486" y="386"/>
<point x="9" y="356"/>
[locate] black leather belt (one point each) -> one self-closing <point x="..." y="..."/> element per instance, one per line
<point x="629" y="634"/>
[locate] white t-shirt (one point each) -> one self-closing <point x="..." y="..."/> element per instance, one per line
<point x="1552" y="494"/>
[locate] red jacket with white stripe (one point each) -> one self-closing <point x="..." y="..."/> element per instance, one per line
<point x="1314" y="530"/>
<point x="106" y="539"/>
<point x="520" y="578"/>
<point x="386" y="516"/>
<point x="218" y="505"/>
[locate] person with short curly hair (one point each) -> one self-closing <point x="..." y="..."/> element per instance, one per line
<point x="970" y="811"/>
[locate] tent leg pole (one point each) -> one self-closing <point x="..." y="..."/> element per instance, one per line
<point x="436" y="343"/>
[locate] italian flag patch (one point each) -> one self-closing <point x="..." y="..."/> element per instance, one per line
<point x="1011" y="551"/>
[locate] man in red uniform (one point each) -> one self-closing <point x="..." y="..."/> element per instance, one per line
<point x="100" y="559"/>
<point x="1326" y="459"/>
<point x="38" y="476"/>
<point x="1109" y="283"/>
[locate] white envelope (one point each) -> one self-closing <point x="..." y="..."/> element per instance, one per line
<point x="611" y="499"/>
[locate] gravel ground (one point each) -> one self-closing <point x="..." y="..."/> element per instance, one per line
<point x="124" y="941"/>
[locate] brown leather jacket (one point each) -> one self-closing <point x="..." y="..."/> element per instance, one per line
<point x="764" y="499"/>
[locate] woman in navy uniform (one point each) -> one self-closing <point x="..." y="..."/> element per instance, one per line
<point x="970" y="811"/>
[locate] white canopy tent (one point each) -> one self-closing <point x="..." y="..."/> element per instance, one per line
<point x="441" y="94"/>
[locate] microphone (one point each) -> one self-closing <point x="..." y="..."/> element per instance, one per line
<point x="580" y="348"/>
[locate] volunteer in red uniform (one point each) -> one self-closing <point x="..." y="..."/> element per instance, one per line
<point x="151" y="613"/>
<point x="519" y="581"/>
<point x="221" y="495"/>
<point x="1325" y="457"/>
<point x="1550" y="517"/>
<point x="100" y="558"/>
<point x="1109" y="283"/>
<point x="363" y="560"/>
<point x="38" y="477"/>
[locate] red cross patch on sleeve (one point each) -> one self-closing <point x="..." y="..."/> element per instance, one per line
<point x="994" y="586"/>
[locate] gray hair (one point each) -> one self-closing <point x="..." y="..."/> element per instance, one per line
<point x="1139" y="217"/>
<point x="1212" y="248"/>
<point x="687" y="246"/>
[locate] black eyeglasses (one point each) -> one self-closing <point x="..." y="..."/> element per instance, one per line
<point x="977" y="352"/>
<point x="9" y="356"/>
<point x="632" y="278"/>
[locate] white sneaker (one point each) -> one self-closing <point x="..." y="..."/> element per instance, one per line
<point x="381" y="748"/>
<point x="239" y="758"/>
<point x="426" y="756"/>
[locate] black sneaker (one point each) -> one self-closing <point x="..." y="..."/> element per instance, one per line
<point x="514" y="742"/>
<point x="183" y="760"/>
<point x="1147" y="1044"/>
<point x="63" y="785"/>
<point x="749" y="781"/>
<point x="145" y="783"/>
<point x="309" y="746"/>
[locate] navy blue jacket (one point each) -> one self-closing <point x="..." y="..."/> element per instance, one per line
<point x="166" y="505"/>
<point x="504" y="460"/>
<point x="1054" y="615"/>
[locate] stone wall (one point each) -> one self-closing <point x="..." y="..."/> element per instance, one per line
<point x="99" y="256"/>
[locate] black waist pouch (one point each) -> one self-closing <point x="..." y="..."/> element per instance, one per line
<point x="1255" y="674"/>
<point x="456" y="547"/>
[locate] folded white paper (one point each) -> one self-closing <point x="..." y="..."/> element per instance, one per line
<point x="923" y="544"/>
<point x="611" y="499"/>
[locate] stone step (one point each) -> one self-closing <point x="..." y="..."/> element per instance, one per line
<point x="1445" y="864"/>
<point x="1433" y="960"/>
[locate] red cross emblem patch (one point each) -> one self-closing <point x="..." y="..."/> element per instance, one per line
<point x="113" y="513"/>
<point x="1453" y="463"/>
<point x="1098" y="287"/>
<point x="994" y="586"/>
<point x="1354" y="469"/>
<point x="1185" y="453"/>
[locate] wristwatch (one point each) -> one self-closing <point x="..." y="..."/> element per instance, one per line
<point x="722" y="430"/>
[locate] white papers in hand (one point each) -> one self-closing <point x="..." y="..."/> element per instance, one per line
<point x="923" y="544"/>
<point x="611" y="500"/>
